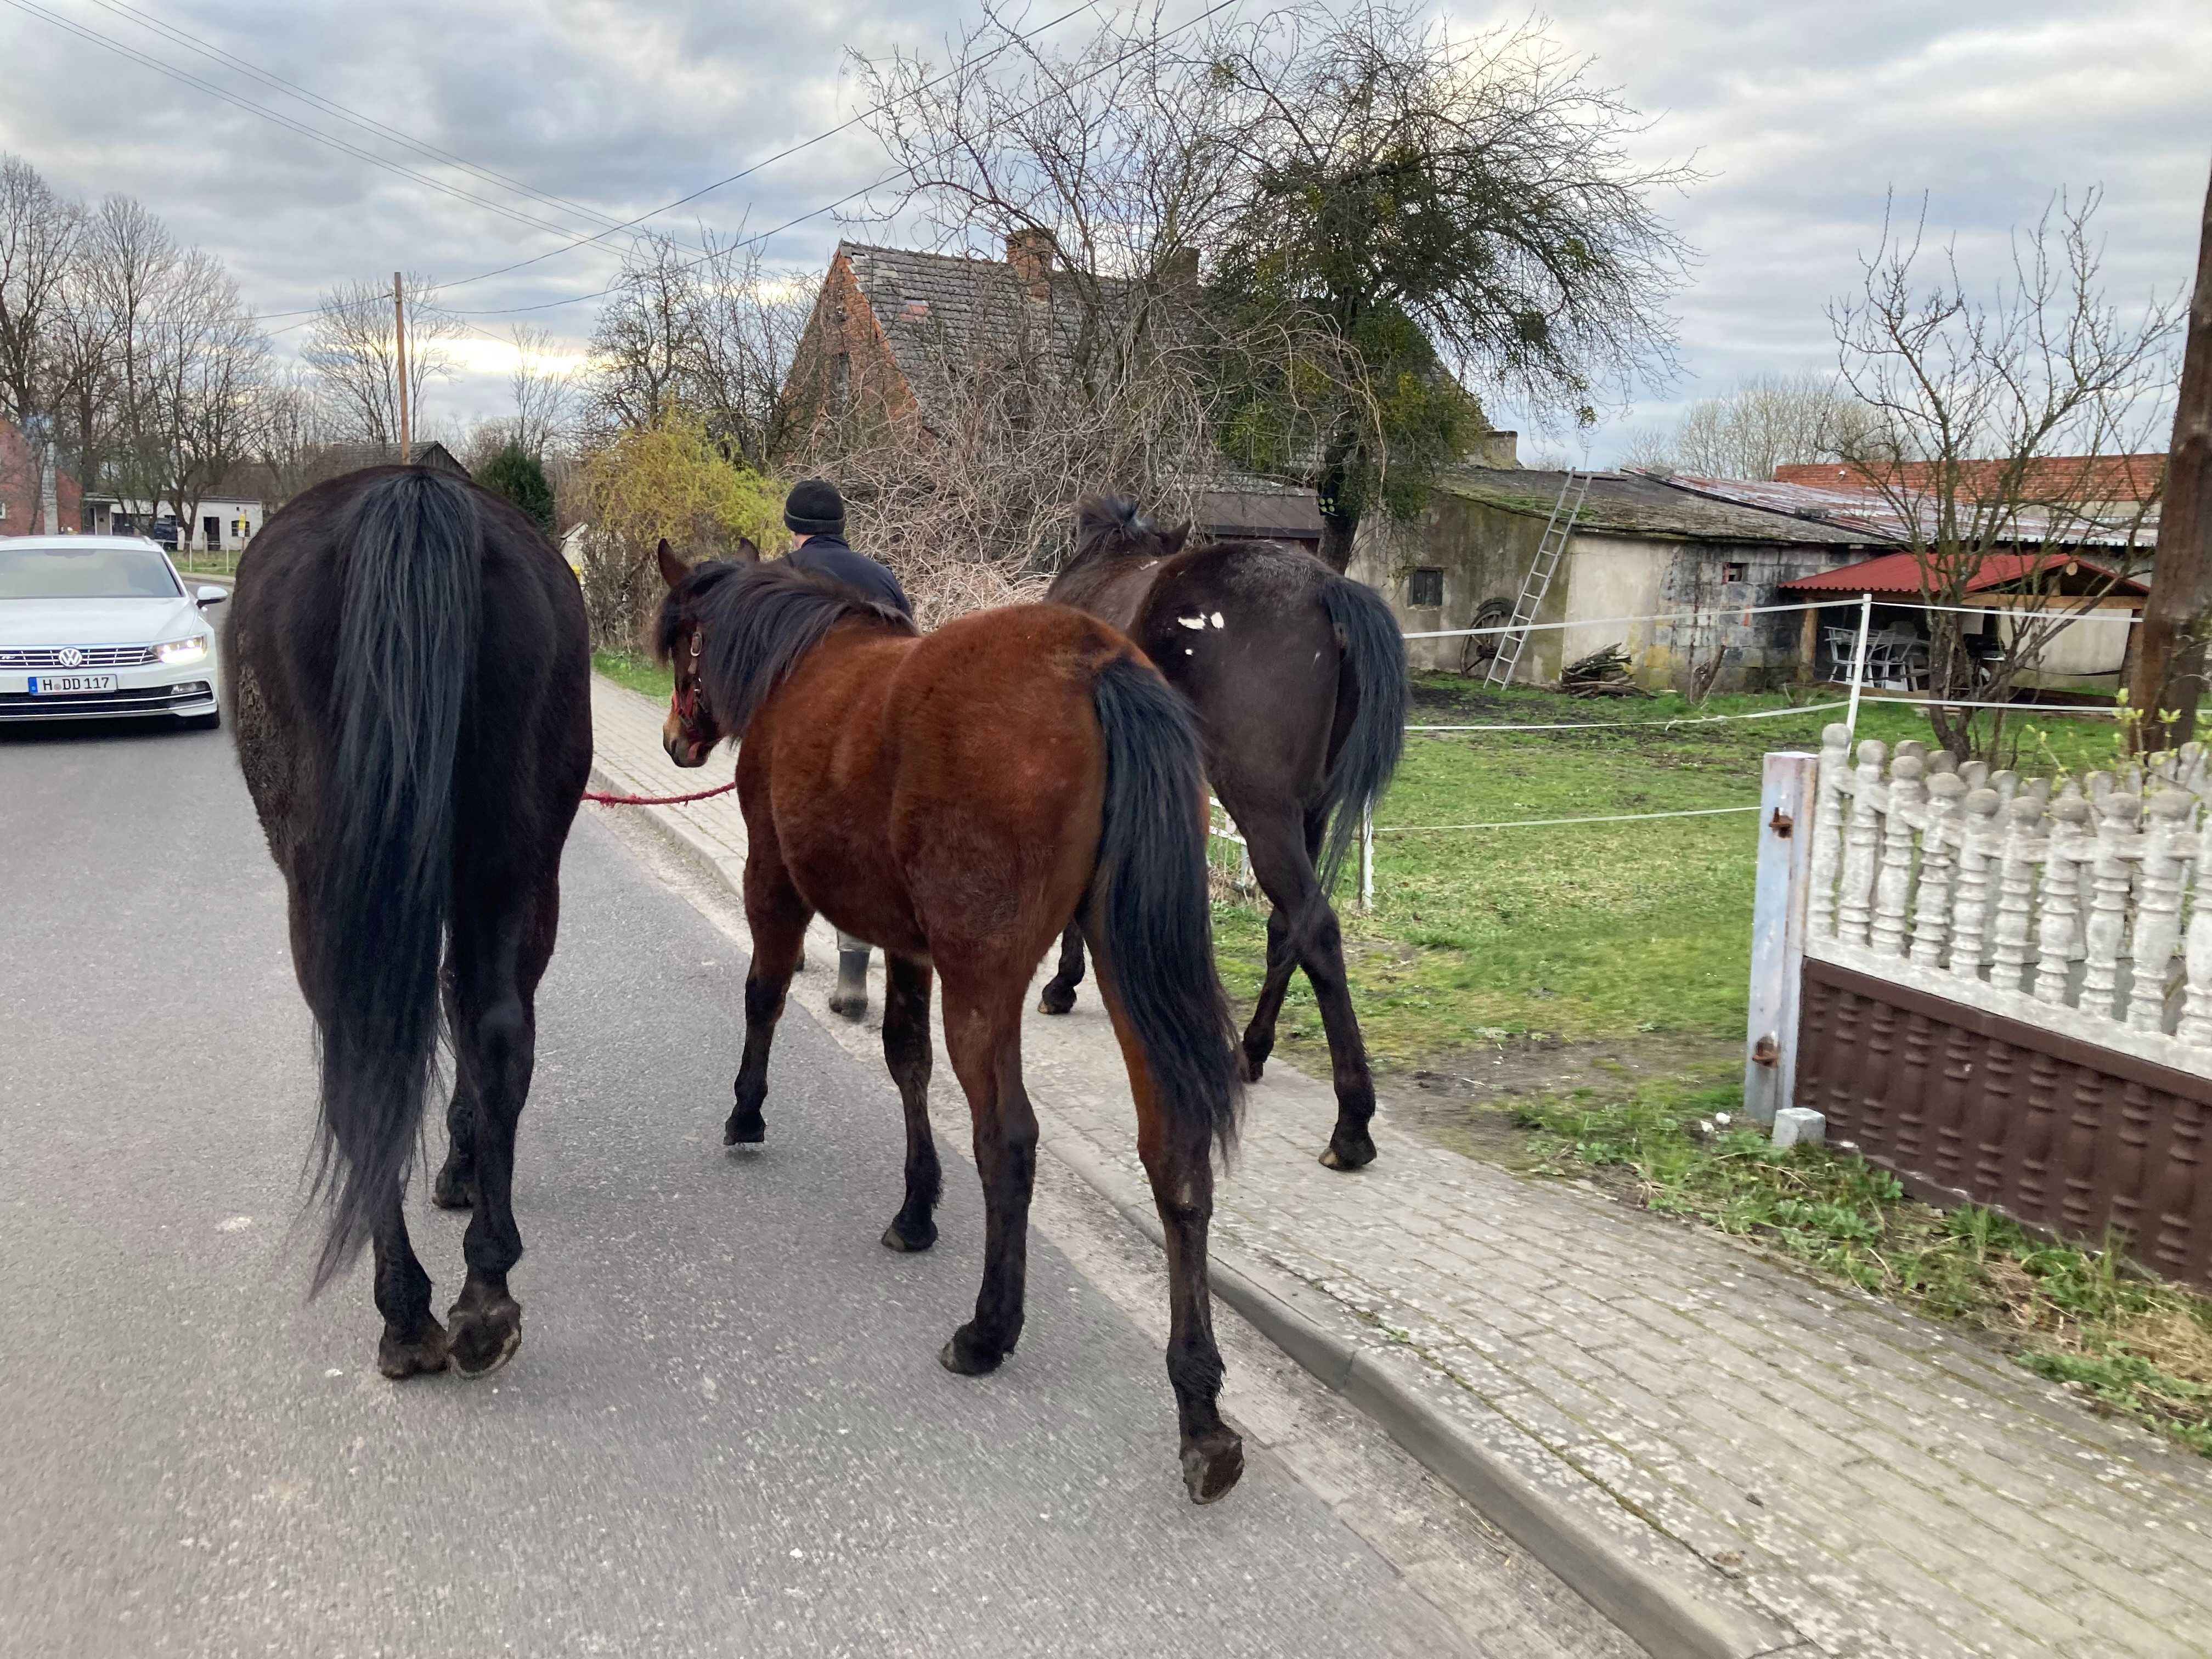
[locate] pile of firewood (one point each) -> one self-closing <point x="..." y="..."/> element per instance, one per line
<point x="1601" y="674"/>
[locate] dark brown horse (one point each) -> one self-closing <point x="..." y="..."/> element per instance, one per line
<point x="1298" y="677"/>
<point x="959" y="798"/>
<point x="410" y="682"/>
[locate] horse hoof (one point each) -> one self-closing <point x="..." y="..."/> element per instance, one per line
<point x="1249" y="1069"/>
<point x="401" y="1358"/>
<point x="851" y="1008"/>
<point x="906" y="1241"/>
<point x="1352" y="1149"/>
<point x="1056" y="1002"/>
<point x="744" y="1128"/>
<point x="963" y="1356"/>
<point x="484" y="1339"/>
<point x="453" y="1191"/>
<point x="1211" y="1464"/>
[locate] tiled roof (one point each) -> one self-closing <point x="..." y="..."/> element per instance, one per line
<point x="934" y="307"/>
<point x="1861" y="507"/>
<point x="1629" y="504"/>
<point x="2045" y="477"/>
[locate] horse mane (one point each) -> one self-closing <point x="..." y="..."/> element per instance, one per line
<point x="760" y="620"/>
<point x="1112" y="526"/>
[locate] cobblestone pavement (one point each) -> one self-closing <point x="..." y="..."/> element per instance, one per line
<point x="1751" y="1462"/>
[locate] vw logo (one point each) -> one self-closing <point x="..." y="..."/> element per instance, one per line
<point x="70" y="657"/>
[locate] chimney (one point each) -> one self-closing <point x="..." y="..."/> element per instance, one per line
<point x="1029" y="252"/>
<point x="1499" y="448"/>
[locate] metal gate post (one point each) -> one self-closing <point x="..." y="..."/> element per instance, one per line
<point x="1789" y="780"/>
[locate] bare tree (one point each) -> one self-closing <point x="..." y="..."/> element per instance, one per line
<point x="2169" y="669"/>
<point x="39" y="236"/>
<point x="212" y="359"/>
<point x="1083" y="364"/>
<point x="542" y="393"/>
<point x="1767" y="420"/>
<point x="295" y="431"/>
<point x="1987" y="425"/>
<point x="353" y="346"/>
<point x="968" y="494"/>
<point x="714" y="334"/>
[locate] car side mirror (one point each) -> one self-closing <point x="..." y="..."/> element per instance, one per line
<point x="208" y="593"/>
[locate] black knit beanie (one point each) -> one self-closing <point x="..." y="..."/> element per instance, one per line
<point x="814" y="508"/>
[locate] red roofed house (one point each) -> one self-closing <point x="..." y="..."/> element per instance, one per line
<point x="20" y="507"/>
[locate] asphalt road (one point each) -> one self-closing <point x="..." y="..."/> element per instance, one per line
<point x="726" y="1431"/>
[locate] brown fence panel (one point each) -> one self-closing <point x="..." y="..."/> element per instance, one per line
<point x="1963" y="1104"/>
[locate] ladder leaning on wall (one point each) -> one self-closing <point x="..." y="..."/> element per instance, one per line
<point x="1558" y="529"/>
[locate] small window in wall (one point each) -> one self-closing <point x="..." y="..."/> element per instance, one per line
<point x="1425" y="589"/>
<point x="1735" y="573"/>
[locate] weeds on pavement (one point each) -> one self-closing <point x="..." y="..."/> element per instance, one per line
<point x="2082" y="1318"/>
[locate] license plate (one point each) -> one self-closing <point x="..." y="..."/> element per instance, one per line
<point x="63" y="685"/>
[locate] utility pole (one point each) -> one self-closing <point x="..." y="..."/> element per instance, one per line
<point x="2170" y="653"/>
<point x="399" y="331"/>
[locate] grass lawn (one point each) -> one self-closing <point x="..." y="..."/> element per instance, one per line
<point x="640" y="674"/>
<point x="1597" y="931"/>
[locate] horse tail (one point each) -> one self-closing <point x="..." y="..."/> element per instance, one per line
<point x="1374" y="677"/>
<point x="1152" y="911"/>
<point x="411" y="560"/>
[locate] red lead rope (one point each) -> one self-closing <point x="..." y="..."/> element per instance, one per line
<point x="605" y="800"/>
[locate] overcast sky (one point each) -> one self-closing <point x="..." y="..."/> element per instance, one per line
<point x="1803" y="114"/>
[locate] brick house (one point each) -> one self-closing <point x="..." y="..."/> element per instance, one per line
<point x="19" y="511"/>
<point x="888" y="321"/>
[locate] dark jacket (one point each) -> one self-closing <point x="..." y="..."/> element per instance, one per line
<point x="827" y="555"/>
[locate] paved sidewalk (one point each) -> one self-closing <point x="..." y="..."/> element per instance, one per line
<point x="1725" y="1458"/>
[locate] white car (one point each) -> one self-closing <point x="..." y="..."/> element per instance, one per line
<point x="102" y="626"/>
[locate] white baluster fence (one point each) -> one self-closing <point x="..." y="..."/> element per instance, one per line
<point x="2085" y="910"/>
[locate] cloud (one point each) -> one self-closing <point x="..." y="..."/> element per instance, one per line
<point x="1804" y="114"/>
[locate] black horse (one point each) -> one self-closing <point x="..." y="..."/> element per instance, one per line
<point x="1298" y="676"/>
<point x="410" y="679"/>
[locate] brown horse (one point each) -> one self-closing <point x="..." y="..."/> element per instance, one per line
<point x="1298" y="678"/>
<point x="959" y="798"/>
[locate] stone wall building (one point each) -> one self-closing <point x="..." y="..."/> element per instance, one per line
<point x="1640" y="547"/>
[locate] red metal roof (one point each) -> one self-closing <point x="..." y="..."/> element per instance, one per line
<point x="1899" y="573"/>
<point x="2066" y="478"/>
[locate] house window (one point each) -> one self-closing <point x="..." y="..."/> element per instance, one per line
<point x="1735" y="573"/>
<point x="4" y="509"/>
<point x="1425" y="589"/>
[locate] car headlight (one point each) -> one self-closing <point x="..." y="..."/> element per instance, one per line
<point x="177" y="652"/>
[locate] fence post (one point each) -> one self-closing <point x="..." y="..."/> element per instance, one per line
<point x="1367" y="858"/>
<point x="1858" y="663"/>
<point x="1786" y="835"/>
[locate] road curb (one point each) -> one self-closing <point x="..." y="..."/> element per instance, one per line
<point x="1667" y="1620"/>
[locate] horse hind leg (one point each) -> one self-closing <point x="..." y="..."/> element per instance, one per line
<point x="984" y="1035"/>
<point x="414" y="1341"/>
<point x="454" y="1188"/>
<point x="1059" y="990"/>
<point x="1284" y="866"/>
<point x="500" y="955"/>
<point x="906" y="1052"/>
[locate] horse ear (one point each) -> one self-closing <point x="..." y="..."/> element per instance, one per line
<point x="1175" y="538"/>
<point x="746" y="552"/>
<point x="673" y="570"/>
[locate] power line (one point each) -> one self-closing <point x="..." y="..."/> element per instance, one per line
<point x="827" y="207"/>
<point x="352" y="118"/>
<point x="29" y="9"/>
<point x="793" y="149"/>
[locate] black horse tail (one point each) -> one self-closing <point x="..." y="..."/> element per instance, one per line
<point x="1375" y="677"/>
<point x="1150" y="907"/>
<point x="411" y="569"/>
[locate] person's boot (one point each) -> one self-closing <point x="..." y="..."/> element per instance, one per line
<point x="850" y="999"/>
